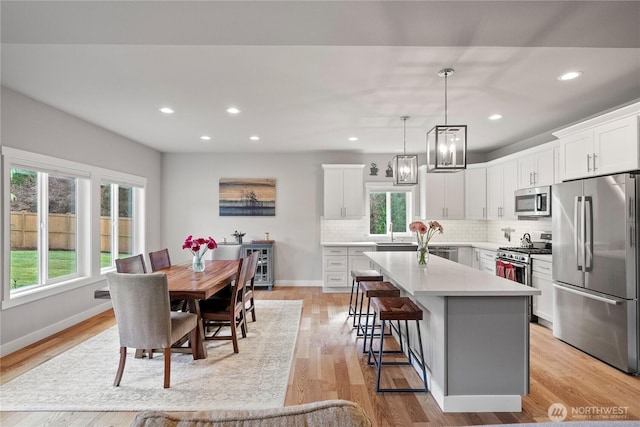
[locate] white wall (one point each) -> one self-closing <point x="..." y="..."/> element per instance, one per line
<point x="33" y="126"/>
<point x="190" y="204"/>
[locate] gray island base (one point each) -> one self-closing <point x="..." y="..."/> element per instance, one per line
<point x="475" y="331"/>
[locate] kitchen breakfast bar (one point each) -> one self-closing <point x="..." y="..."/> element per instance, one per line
<point x="475" y="331"/>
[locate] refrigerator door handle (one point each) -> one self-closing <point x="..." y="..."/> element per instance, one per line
<point x="576" y="238"/>
<point x="588" y="233"/>
<point x="588" y="295"/>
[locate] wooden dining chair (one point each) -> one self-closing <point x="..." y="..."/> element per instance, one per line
<point x="144" y="317"/>
<point x="133" y="264"/>
<point x="220" y="312"/>
<point x="159" y="259"/>
<point x="249" y="303"/>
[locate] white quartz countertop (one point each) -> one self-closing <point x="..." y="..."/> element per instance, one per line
<point x="443" y="277"/>
<point x="482" y="245"/>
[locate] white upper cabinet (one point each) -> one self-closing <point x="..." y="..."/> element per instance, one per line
<point x="444" y="195"/>
<point x="343" y="191"/>
<point x="536" y="169"/>
<point x="502" y="182"/>
<point x="600" y="146"/>
<point x="475" y="193"/>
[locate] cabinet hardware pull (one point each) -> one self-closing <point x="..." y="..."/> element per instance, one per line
<point x="482" y="212"/>
<point x="530" y="178"/>
<point x="588" y="163"/>
<point x="594" y="161"/>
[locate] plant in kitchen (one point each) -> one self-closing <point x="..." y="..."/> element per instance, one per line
<point x="198" y="248"/>
<point x="238" y="235"/>
<point x="423" y="236"/>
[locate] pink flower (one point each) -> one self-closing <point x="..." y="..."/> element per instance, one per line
<point x="199" y="246"/>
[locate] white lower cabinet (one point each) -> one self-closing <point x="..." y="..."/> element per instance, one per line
<point x="541" y="279"/>
<point x="338" y="261"/>
<point x="488" y="261"/>
<point x="475" y="262"/>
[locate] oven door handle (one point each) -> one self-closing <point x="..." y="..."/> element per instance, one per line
<point x="512" y="262"/>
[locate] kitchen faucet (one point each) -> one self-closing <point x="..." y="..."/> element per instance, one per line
<point x="391" y="230"/>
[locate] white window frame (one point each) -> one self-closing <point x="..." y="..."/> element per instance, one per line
<point x="89" y="269"/>
<point x="115" y="184"/>
<point x="371" y="187"/>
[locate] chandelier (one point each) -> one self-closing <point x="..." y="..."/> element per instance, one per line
<point x="405" y="170"/>
<point x="446" y="144"/>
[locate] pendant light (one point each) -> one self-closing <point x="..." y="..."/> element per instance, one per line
<point x="446" y="145"/>
<point x="405" y="171"/>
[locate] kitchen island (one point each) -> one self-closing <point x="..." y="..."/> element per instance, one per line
<point x="476" y="343"/>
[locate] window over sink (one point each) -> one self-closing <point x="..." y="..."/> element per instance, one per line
<point x="389" y="208"/>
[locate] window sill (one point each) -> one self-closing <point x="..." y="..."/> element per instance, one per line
<point x="48" y="291"/>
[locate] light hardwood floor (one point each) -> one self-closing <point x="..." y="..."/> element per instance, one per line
<point x="328" y="364"/>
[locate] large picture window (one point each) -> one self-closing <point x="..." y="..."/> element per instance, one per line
<point x="65" y="224"/>
<point x="44" y="221"/>
<point x="389" y="209"/>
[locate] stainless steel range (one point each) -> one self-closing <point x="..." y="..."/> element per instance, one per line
<point x="515" y="263"/>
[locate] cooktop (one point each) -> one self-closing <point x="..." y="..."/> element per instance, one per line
<point x="530" y="251"/>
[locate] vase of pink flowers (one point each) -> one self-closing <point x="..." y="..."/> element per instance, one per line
<point x="198" y="248"/>
<point x="424" y="234"/>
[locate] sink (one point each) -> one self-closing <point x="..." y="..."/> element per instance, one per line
<point x="396" y="246"/>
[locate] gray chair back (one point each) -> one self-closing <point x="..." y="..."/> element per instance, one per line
<point x="142" y="309"/>
<point x="226" y="252"/>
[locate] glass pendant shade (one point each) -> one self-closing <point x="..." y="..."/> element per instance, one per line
<point x="447" y="148"/>
<point x="405" y="170"/>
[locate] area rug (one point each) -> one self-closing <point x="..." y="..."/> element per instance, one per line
<point x="81" y="379"/>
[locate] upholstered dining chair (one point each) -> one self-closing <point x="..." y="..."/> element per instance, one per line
<point x="132" y="264"/>
<point x="220" y="312"/>
<point x="144" y="317"/>
<point x="226" y="252"/>
<point x="159" y="259"/>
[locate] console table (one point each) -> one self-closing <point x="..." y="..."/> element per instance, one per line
<point x="264" y="271"/>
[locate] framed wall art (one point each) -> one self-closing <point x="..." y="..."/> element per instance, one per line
<point x="247" y="197"/>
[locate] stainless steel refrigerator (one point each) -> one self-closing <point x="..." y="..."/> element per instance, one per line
<point x="595" y="267"/>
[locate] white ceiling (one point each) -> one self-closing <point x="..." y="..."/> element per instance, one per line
<point x="307" y="75"/>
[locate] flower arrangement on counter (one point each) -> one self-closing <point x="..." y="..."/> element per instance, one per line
<point x="198" y="248"/>
<point x="423" y="236"/>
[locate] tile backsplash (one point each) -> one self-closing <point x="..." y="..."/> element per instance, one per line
<point x="454" y="231"/>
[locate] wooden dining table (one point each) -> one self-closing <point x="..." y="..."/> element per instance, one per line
<point x="188" y="285"/>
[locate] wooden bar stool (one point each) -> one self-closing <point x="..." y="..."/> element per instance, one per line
<point x="397" y="308"/>
<point x="370" y="290"/>
<point x="358" y="276"/>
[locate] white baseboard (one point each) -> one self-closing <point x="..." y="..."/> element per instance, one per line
<point x="298" y="283"/>
<point x="43" y="333"/>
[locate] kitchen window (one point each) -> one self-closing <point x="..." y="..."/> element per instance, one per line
<point x="389" y="208"/>
<point x="56" y="236"/>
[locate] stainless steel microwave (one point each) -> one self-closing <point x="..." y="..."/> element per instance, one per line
<point x="533" y="202"/>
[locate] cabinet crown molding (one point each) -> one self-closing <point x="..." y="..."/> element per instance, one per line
<point x="620" y="113"/>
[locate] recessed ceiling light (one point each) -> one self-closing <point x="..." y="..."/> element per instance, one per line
<point x="254" y="138"/>
<point x="570" y="75"/>
<point x="353" y="138"/>
<point x="205" y="138"/>
<point x="495" y="117"/>
<point x="167" y="110"/>
<point x="233" y="110"/>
